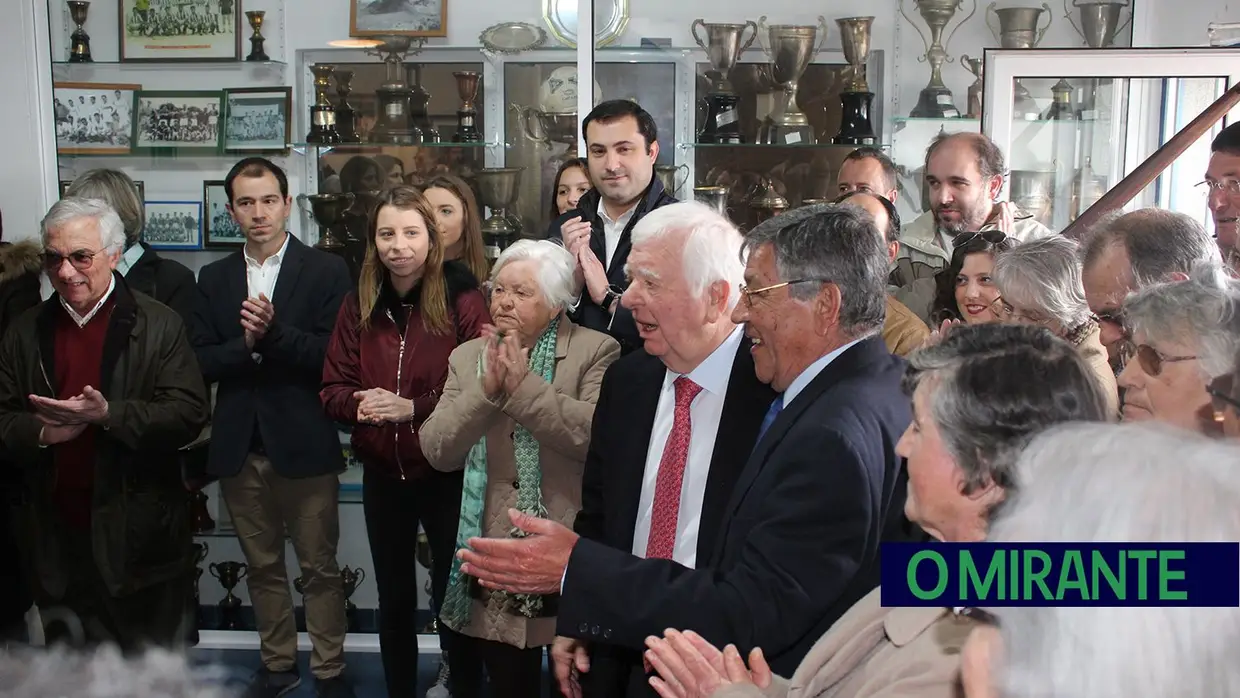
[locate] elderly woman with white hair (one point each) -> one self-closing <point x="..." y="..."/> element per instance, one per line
<point x="1114" y="484"/>
<point x="1040" y="284"/>
<point x="1184" y="335"/>
<point x="515" y="414"/>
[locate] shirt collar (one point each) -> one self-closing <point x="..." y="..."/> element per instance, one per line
<point x="130" y="258"/>
<point x="277" y="258"/>
<point x="811" y="372"/>
<point x="715" y="370"/>
<point x="624" y="218"/>
<point x="81" y="320"/>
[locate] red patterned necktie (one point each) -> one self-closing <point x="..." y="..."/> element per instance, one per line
<point x="671" y="477"/>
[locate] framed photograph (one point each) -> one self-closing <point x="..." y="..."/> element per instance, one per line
<point x="397" y="17"/>
<point x="93" y="118"/>
<point x="139" y="188"/>
<point x="257" y="119"/>
<point x="181" y="120"/>
<point x="180" y="30"/>
<point x="219" y="228"/>
<point x="173" y="225"/>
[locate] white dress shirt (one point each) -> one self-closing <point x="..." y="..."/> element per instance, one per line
<point x="130" y="258"/>
<point x="713" y="375"/>
<point x="81" y="320"/>
<point x="260" y="278"/>
<point x="612" y="230"/>
<point x="811" y="372"/>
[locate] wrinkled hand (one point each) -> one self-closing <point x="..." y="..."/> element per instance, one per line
<point x="494" y="369"/>
<point x="691" y="667"/>
<point x="593" y="272"/>
<point x="376" y="406"/>
<point x="257" y="315"/>
<point x="52" y="434"/>
<point x="1007" y="218"/>
<point x="939" y="334"/>
<point x="516" y="362"/>
<point x="531" y="565"/>
<point x="90" y="407"/>
<point x="570" y="659"/>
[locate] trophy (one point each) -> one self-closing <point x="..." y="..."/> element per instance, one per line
<point x="200" y="516"/>
<point x="322" y="113"/>
<point x="229" y="575"/>
<point x="935" y="101"/>
<point x="498" y="189"/>
<point x="1018" y="29"/>
<point x="395" y="123"/>
<point x="550" y="127"/>
<point x="350" y="579"/>
<point x="723" y="48"/>
<point x="667" y="176"/>
<point x="789" y="49"/>
<point x="1032" y="191"/>
<point x="257" y="53"/>
<point x="79" y="50"/>
<point x="418" y="99"/>
<point x="346" y="115"/>
<point x="768" y="202"/>
<point x="1099" y="21"/>
<point x="467" y="113"/>
<point x="856" y="98"/>
<point x="715" y="197"/>
<point x="328" y="211"/>
<point x="976" y="66"/>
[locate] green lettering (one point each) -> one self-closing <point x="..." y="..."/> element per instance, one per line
<point x="1074" y="565"/>
<point x="1036" y="577"/>
<point x="969" y="576"/>
<point x="1166" y="575"/>
<point x="1098" y="563"/>
<point x="912" y="575"/>
<point x="1013" y="578"/>
<point x="1143" y="582"/>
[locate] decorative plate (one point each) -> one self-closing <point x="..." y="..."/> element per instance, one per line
<point x="611" y="17"/>
<point x="512" y="37"/>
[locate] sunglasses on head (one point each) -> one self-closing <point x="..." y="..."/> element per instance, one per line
<point x="1151" y="359"/>
<point x="993" y="237"/>
<point x="80" y="259"/>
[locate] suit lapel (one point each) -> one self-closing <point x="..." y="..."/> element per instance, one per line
<point x="290" y="269"/>
<point x="647" y="384"/>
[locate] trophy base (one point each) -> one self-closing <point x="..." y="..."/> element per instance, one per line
<point x="722" y="123"/>
<point x="782" y="133"/>
<point x="328" y="242"/>
<point x="323" y="126"/>
<point x="346" y="125"/>
<point x="855" y="126"/>
<point x="257" y="53"/>
<point x="258" y="58"/>
<point x="1025" y="108"/>
<point x="80" y="54"/>
<point x="497" y="235"/>
<point x="935" y="103"/>
<point x="467" y="134"/>
<point x="429" y="134"/>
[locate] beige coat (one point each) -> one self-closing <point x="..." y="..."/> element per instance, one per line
<point x="558" y="415"/>
<point x="876" y="652"/>
<point x="1090" y="348"/>
<point x="903" y="331"/>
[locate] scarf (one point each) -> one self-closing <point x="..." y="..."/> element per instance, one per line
<point x="457" y="598"/>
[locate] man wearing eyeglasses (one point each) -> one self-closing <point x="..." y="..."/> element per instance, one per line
<point x="1223" y="185"/>
<point x="99" y="387"/>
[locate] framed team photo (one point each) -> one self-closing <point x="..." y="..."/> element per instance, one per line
<point x="257" y="119"/>
<point x="219" y="228"/>
<point x="93" y="118"/>
<point x="178" y="120"/>
<point x="173" y="225"/>
<point x="179" y="30"/>
<point x="398" y="18"/>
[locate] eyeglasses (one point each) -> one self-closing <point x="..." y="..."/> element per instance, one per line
<point x="1111" y="317"/>
<point x="993" y="237"/>
<point x="1221" y="390"/>
<point x="80" y="259"/>
<point x="1229" y="186"/>
<point x="1151" y="359"/>
<point x="748" y="293"/>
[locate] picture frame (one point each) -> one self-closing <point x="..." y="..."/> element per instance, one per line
<point x="94" y="118"/>
<point x="258" y="119"/>
<point x="139" y="188"/>
<point x="188" y="120"/>
<point x="202" y="31"/>
<point x="173" y="225"/>
<point x="219" y="229"/>
<point x="416" y="18"/>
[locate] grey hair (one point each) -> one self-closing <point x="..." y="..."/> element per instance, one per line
<point x="1203" y="311"/>
<point x="712" y="244"/>
<point x="1124" y="483"/>
<point x="555" y="267"/>
<point x="105" y="673"/>
<point x="996" y="386"/>
<point x="65" y="211"/>
<point x="1159" y="243"/>
<point x="1045" y="274"/>
<point x="836" y="244"/>
<point x="120" y="192"/>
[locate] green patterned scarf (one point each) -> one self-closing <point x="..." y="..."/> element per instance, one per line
<point x="457" y="598"/>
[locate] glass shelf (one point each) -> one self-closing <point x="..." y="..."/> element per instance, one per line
<point x="165" y="65"/>
<point x="926" y="120"/>
<point x="363" y="146"/>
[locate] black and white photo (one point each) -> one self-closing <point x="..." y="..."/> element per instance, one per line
<point x="398" y="18"/>
<point x="189" y="120"/>
<point x="257" y="119"/>
<point x="93" y="118"/>
<point x="173" y="225"/>
<point x="221" y="230"/>
<point x="185" y="30"/>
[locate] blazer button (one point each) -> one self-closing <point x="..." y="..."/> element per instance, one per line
<point x="594" y="631"/>
<point x="607" y="634"/>
<point x="583" y="628"/>
<point x="516" y="485"/>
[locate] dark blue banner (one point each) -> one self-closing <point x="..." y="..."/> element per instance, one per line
<point x="1061" y="574"/>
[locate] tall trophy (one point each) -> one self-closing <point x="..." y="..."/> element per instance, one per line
<point x="498" y="189"/>
<point x="328" y="211"/>
<point x="322" y="112"/>
<point x="229" y="575"/>
<point x="255" y="18"/>
<point x="1018" y="29"/>
<point x="467" y="113"/>
<point x="1099" y="21"/>
<point x="789" y="48"/>
<point x="79" y="50"/>
<point x="723" y="48"/>
<point x="395" y="122"/>
<point x="935" y="101"/>
<point x="856" y="98"/>
<point x="346" y="115"/>
<point x="976" y="67"/>
<point x="419" y="98"/>
<point x="715" y="197"/>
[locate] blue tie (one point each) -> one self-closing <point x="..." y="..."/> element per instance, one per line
<point x="777" y="405"/>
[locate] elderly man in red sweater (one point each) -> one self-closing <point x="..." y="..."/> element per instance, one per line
<point x="98" y="389"/>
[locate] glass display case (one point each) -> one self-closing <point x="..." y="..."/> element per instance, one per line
<point x="1073" y="123"/>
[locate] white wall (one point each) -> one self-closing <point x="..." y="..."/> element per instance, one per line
<point x="23" y="51"/>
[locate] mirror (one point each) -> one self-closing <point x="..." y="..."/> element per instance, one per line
<point x="610" y="19"/>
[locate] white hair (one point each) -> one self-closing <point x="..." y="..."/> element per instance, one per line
<point x="1045" y="274"/>
<point x="67" y="210"/>
<point x="105" y="673"/>
<point x="712" y="244"/>
<point x="1203" y="311"/>
<point x="1124" y="483"/>
<point x="555" y="267"/>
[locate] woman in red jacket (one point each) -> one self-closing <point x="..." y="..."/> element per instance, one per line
<point x="385" y="370"/>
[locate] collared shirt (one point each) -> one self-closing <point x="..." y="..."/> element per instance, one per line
<point x="713" y="375"/>
<point x="81" y="320"/>
<point x="130" y="258"/>
<point x="613" y="229"/>
<point x="811" y="372"/>
<point x="260" y="278"/>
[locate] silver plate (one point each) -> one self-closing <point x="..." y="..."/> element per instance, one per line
<point x="611" y="17"/>
<point x="512" y="37"/>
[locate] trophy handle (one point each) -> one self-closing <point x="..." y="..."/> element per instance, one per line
<point x="990" y="9"/>
<point x="761" y="29"/>
<point x="682" y="183"/>
<point x="242" y="570"/>
<point x="960" y="24"/>
<point x="693" y="30"/>
<point x="1120" y="29"/>
<point x="911" y="23"/>
<point x="352" y="197"/>
<point x="750" y="24"/>
<point x="528" y="121"/>
<point x="214" y="569"/>
<point x="361" y="577"/>
<point x="822" y="40"/>
<point x="1049" y="19"/>
<point x="303" y="202"/>
<point x="1068" y="16"/>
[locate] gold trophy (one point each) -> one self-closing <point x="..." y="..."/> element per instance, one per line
<point x="715" y="197"/>
<point x="976" y="66"/>
<point x="467" y="113"/>
<point x="322" y="112"/>
<point x="328" y="211"/>
<point x="856" y="98"/>
<point x="498" y="188"/>
<point x="79" y="51"/>
<point x="257" y="53"/>
<point x="935" y="101"/>
<point x="790" y="48"/>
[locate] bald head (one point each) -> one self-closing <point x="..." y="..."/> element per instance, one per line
<point x="886" y="219"/>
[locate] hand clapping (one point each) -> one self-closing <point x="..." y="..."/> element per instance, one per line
<point x="256" y="317"/>
<point x="507" y="363"/>
<point x="376" y="406"/>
